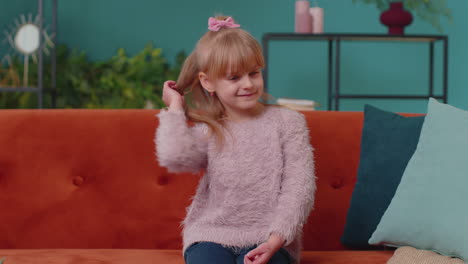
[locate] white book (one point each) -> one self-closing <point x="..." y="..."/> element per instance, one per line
<point x="297" y="104"/>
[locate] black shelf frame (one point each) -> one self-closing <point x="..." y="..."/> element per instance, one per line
<point x="334" y="59"/>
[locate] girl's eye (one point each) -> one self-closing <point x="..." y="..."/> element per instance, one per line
<point x="254" y="73"/>
<point x="234" y="77"/>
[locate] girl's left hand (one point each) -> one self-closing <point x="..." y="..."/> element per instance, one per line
<point x="260" y="255"/>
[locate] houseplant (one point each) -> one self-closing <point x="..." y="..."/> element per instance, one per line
<point x="122" y="81"/>
<point x="430" y="11"/>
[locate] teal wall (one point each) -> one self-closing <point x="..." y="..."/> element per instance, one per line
<point x="298" y="69"/>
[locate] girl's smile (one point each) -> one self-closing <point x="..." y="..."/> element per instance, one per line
<point x="248" y="95"/>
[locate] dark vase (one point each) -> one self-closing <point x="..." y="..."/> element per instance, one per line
<point x="396" y="18"/>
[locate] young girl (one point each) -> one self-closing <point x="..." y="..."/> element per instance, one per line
<point x="259" y="183"/>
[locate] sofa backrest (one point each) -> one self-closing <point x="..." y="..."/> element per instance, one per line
<point x="90" y="179"/>
<point x="336" y="137"/>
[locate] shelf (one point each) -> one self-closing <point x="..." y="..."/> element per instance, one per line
<point x="369" y="96"/>
<point x="335" y="40"/>
<point x="354" y="37"/>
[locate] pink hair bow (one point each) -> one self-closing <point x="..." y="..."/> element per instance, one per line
<point x="215" y="24"/>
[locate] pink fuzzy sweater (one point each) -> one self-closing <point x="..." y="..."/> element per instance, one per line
<point x="261" y="181"/>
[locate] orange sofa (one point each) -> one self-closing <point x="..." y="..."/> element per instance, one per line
<point x="84" y="186"/>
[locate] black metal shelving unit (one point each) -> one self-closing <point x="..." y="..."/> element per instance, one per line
<point x="334" y="55"/>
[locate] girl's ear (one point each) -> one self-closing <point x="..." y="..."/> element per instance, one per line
<point x="205" y="82"/>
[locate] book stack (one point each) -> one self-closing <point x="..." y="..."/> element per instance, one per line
<point x="297" y="104"/>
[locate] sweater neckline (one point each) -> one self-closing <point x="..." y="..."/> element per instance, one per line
<point x="258" y="117"/>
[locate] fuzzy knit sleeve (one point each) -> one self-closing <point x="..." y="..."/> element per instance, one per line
<point x="298" y="185"/>
<point x="180" y="148"/>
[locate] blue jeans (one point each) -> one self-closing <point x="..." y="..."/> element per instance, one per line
<point x="213" y="253"/>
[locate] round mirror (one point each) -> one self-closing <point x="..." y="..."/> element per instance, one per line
<point x="27" y="38"/>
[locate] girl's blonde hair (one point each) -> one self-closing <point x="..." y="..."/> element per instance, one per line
<point x="216" y="53"/>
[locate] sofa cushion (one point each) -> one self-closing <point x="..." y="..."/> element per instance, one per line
<point x="124" y="256"/>
<point x="346" y="256"/>
<point x="88" y="256"/>
<point x="428" y="210"/>
<point x="410" y="255"/>
<point x="64" y="164"/>
<point x="388" y="142"/>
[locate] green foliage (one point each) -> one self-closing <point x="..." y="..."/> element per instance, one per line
<point x="119" y="82"/>
<point x="428" y="10"/>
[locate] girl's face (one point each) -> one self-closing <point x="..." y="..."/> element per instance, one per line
<point x="238" y="92"/>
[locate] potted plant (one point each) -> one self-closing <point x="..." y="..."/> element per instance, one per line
<point x="396" y="17"/>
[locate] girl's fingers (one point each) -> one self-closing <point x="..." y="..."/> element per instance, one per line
<point x="170" y="84"/>
<point x="247" y="260"/>
<point x="252" y="253"/>
<point x="260" y="259"/>
<point x="257" y="252"/>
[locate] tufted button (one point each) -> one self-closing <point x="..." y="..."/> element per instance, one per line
<point x="78" y="180"/>
<point x="163" y="180"/>
<point x="337" y="183"/>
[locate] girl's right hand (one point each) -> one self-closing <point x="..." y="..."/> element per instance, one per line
<point x="171" y="97"/>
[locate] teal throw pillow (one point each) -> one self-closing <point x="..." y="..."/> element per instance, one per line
<point x="387" y="143"/>
<point x="429" y="208"/>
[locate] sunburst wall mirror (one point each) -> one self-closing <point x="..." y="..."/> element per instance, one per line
<point x="24" y="38"/>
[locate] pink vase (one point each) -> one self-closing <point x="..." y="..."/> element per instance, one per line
<point x="396" y="18"/>
<point x="303" y="19"/>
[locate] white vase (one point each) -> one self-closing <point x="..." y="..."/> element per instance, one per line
<point x="317" y="19"/>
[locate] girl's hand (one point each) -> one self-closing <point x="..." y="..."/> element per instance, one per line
<point x="263" y="253"/>
<point x="260" y="255"/>
<point x="171" y="97"/>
